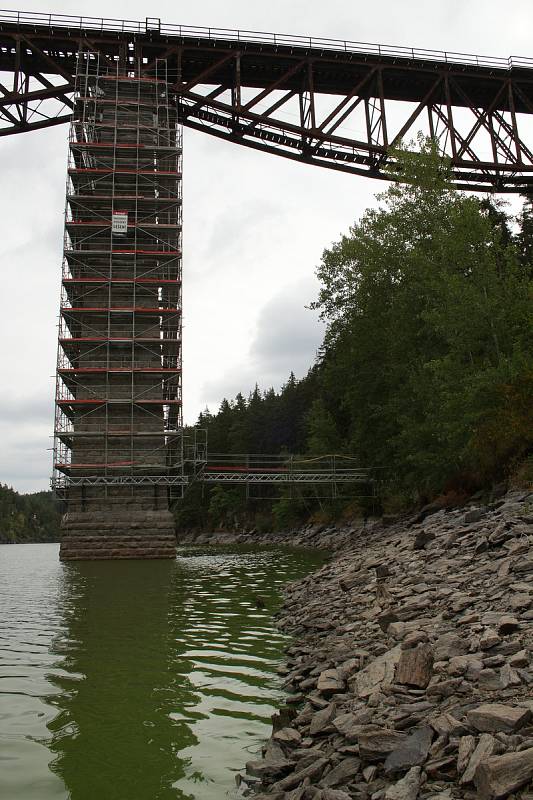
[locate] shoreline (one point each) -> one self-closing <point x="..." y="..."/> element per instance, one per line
<point x="410" y="670"/>
<point x="311" y="536"/>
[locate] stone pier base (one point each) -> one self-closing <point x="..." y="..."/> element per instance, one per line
<point x="90" y="536"/>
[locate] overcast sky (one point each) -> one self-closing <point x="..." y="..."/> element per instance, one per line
<point x="254" y="225"/>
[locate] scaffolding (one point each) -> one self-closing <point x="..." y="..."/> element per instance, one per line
<point x="121" y="456"/>
<point x="118" y="419"/>
<point x="317" y="477"/>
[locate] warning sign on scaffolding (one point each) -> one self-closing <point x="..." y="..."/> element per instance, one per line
<point x="119" y="222"/>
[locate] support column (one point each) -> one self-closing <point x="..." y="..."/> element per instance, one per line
<point x="118" y="455"/>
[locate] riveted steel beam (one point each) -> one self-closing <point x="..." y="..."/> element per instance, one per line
<point x="336" y="104"/>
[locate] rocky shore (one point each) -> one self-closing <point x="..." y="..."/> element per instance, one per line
<point x="410" y="671"/>
<point x="317" y="537"/>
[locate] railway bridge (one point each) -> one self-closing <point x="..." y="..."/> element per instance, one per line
<point x="126" y="89"/>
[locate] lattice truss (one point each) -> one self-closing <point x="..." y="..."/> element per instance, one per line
<point x="359" y="131"/>
<point x="342" y="105"/>
<point x="301" y="476"/>
<point x="37" y="92"/>
<point x="118" y="391"/>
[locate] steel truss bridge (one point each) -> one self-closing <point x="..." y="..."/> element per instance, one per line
<point x="337" y="104"/>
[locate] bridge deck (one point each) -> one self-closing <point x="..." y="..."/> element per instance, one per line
<point x="275" y="92"/>
<point x="282" y="469"/>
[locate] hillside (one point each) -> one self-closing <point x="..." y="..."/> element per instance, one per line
<point x="28" y="517"/>
<point x="425" y="373"/>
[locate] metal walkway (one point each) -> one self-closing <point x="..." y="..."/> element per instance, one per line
<point x="271" y="469"/>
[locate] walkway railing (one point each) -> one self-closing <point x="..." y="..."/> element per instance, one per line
<point x="151" y="25"/>
<point x="282" y="469"/>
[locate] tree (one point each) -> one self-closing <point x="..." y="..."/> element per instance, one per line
<point x="427" y="316"/>
<point x="323" y="437"/>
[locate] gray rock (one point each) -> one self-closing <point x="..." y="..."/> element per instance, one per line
<point x="407" y="788"/>
<point x="379" y="671"/>
<point x="329" y="682"/>
<point x="520" y="601"/>
<point x="288" y="736"/>
<point x="349" y="724"/>
<point x="269" y="769"/>
<point x="474" y="515"/>
<point x="446" y="725"/>
<point x="376" y="745"/>
<point x="492" y="717"/>
<point x="486" y="747"/>
<point x="520" y="659"/>
<point x="334" y="794"/>
<point x="322" y="720"/>
<point x="448" y="646"/>
<point x="509" y="677"/>
<point x="344" y="772"/>
<point x="313" y="771"/>
<point x="415" y="666"/>
<point x="413" y="639"/>
<point x="489" y="639"/>
<point x="498" y="776"/>
<point x="507" y="624"/>
<point x="386" y="619"/>
<point x="467" y="745"/>
<point x="489" y="680"/>
<point x="412" y="752"/>
<point x="423" y="538"/>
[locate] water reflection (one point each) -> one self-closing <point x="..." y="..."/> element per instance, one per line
<point x="153" y="680"/>
<point x="114" y="736"/>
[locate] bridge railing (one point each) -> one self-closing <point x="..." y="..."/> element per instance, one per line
<point x="108" y="24"/>
<point x="246" y="468"/>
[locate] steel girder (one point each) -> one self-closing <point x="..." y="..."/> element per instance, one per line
<point x="340" y="105"/>
<point x="345" y="476"/>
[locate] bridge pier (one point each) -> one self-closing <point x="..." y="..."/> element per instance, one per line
<point x="118" y="453"/>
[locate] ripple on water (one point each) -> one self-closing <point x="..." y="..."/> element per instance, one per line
<point x="151" y="681"/>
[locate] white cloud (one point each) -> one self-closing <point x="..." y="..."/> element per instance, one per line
<point x="286" y="339"/>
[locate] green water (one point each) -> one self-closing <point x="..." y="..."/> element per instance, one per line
<point x="137" y="680"/>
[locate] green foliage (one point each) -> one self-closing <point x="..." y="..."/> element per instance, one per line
<point x="322" y="437"/>
<point x="426" y="368"/>
<point x="429" y="331"/>
<point x="287" y="513"/>
<point x="28" y="517"/>
<point x="224" y="504"/>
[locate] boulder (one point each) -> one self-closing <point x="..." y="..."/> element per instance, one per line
<point x="467" y="745"/>
<point x="494" y="717"/>
<point x="423" y="538"/>
<point x="313" y="772"/>
<point x="329" y="682"/>
<point x="344" y="772"/>
<point x="415" y="666"/>
<point x="486" y="747"/>
<point x="379" y="671"/>
<point x="350" y="724"/>
<point x="332" y="794"/>
<point x="507" y="624"/>
<point x="407" y="788"/>
<point x="375" y="745"/>
<point x="448" y="646"/>
<point x="322" y="720"/>
<point x="498" y="776"/>
<point x="446" y="725"/>
<point x="288" y="736"/>
<point x="474" y="515"/>
<point x="412" y="752"/>
<point x="269" y="770"/>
